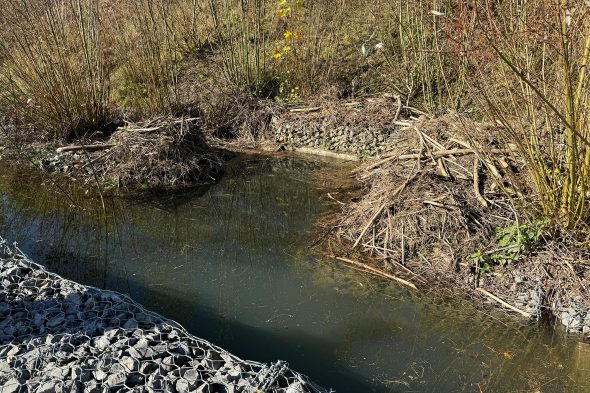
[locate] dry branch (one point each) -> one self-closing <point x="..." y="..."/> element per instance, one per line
<point x="502" y="302"/>
<point x="370" y="269"/>
<point x="370" y="222"/>
<point x="306" y="110"/>
<point x="101" y="146"/>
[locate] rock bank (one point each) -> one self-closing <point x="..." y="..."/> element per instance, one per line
<point x="59" y="336"/>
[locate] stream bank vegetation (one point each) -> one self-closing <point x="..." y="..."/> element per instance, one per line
<point x="487" y="185"/>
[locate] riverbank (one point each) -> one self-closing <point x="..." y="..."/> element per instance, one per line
<point x="57" y="335"/>
<point x="434" y="209"/>
<point x="442" y="208"/>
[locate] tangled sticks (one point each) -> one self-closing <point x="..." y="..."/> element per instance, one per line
<point x="60" y="336"/>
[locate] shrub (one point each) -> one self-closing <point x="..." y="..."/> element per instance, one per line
<point x="530" y="72"/>
<point x="54" y="68"/>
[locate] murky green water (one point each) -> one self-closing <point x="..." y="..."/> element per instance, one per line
<point x="232" y="263"/>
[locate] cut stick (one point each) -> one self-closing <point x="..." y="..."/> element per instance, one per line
<point x="442" y="168"/>
<point x="408" y="270"/>
<point x="377" y="272"/>
<point x="460" y="142"/>
<point x="306" y="110"/>
<point x="453" y="152"/>
<point x="384" y="160"/>
<point x="368" y="225"/>
<point x="502" y="302"/>
<point x="399" y="109"/>
<point x="417" y="111"/>
<point x="438" y="204"/>
<point x="66" y="149"/>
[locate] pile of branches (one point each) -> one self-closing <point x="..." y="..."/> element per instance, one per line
<point x="432" y="202"/>
<point x="162" y="152"/>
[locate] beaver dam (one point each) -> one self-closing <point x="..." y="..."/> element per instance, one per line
<point x="232" y="263"/>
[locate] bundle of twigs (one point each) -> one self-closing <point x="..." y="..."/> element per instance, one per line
<point x="161" y="152"/>
<point x="430" y="203"/>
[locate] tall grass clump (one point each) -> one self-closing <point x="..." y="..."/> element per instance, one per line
<point x="531" y="74"/>
<point x="53" y="68"/>
<point x="418" y="64"/>
<point x="241" y="39"/>
<point x="148" y="54"/>
<point x="307" y="48"/>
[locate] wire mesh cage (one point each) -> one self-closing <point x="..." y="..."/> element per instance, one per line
<point x="59" y="336"/>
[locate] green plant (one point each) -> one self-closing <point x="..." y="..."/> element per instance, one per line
<point x="481" y="261"/>
<point x="512" y="242"/>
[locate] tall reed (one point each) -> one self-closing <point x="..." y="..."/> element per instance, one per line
<point x="416" y="52"/>
<point x="149" y="52"/>
<point x="54" y="68"/>
<point x="531" y="75"/>
<point x="241" y="40"/>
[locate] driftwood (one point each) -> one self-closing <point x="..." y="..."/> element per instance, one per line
<point x="326" y="153"/>
<point x="377" y="272"/>
<point x="97" y="147"/>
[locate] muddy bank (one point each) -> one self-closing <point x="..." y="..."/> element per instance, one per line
<point x="58" y="336"/>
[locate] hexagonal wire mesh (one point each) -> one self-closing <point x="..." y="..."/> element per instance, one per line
<point x="59" y="336"/>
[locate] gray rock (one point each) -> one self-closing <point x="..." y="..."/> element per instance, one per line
<point x="117" y="379"/>
<point x="101" y="342"/>
<point x="182" y="386"/>
<point x="92" y="387"/>
<point x="99" y="375"/>
<point x="47" y="387"/>
<point x="191" y="375"/>
<point x="11" y="386"/>
<point x="129" y="363"/>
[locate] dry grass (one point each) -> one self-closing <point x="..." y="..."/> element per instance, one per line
<point x="532" y="78"/>
<point x="54" y="71"/>
<point x="420" y="207"/>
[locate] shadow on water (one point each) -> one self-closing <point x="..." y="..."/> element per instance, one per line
<point x="230" y="263"/>
<point x="252" y="343"/>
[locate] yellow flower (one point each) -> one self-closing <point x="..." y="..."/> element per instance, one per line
<point x="299" y="4"/>
<point x="288" y="34"/>
<point x="286" y="49"/>
<point x="277" y="55"/>
<point x="284" y="12"/>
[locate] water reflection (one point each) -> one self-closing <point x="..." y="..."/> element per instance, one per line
<point x="230" y="261"/>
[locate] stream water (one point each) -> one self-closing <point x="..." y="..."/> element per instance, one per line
<point x="232" y="263"/>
